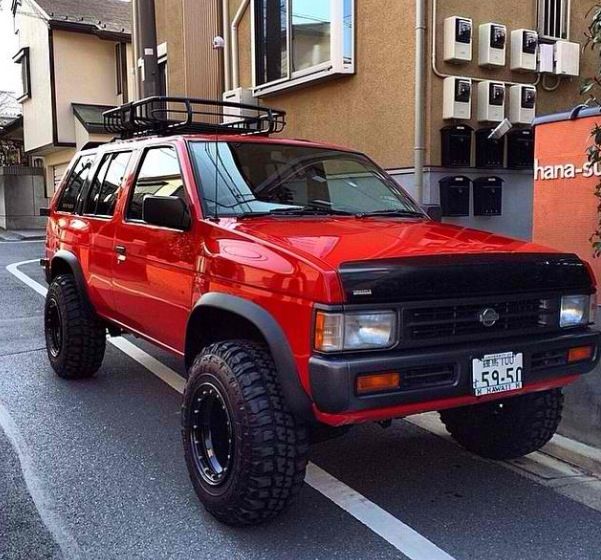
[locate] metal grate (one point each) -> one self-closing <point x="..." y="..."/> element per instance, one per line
<point x="425" y="377"/>
<point x="446" y="322"/>
<point x="554" y="19"/>
<point x="552" y="358"/>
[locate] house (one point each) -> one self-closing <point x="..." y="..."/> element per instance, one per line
<point x="76" y="60"/>
<point x="417" y="84"/>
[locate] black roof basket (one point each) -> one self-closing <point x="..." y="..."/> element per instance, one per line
<point x="164" y="116"/>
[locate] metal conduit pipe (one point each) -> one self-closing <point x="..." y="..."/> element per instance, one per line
<point x="419" y="151"/>
<point x="225" y="8"/>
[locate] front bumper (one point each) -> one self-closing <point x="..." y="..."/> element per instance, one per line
<point x="333" y="378"/>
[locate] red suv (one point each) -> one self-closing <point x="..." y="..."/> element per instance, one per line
<point x="306" y="292"/>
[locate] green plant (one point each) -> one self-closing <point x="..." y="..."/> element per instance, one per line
<point x="591" y="88"/>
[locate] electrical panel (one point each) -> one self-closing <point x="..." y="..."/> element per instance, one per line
<point x="458" y="39"/>
<point x="488" y="196"/>
<point x="455" y="196"/>
<point x="524" y="48"/>
<point x="491" y="101"/>
<point x="457" y="98"/>
<point x="489" y="152"/>
<point x="546" y="58"/>
<point x="522" y="104"/>
<point x="520" y="148"/>
<point x="492" y="45"/>
<point x="567" y="58"/>
<point x="456" y="142"/>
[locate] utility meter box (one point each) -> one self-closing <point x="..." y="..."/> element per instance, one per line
<point x="456" y="142"/>
<point x="520" y="148"/>
<point x="546" y="58"/>
<point x="492" y="45"/>
<point x="488" y="196"/>
<point x="491" y="101"/>
<point x="567" y="58"/>
<point x="458" y="39"/>
<point x="457" y="98"/>
<point x="522" y="104"/>
<point x="524" y="48"/>
<point x="489" y="153"/>
<point x="455" y="196"/>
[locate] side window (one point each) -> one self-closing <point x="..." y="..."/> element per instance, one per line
<point x="75" y="182"/>
<point x="159" y="175"/>
<point x="112" y="183"/>
<point x="94" y="192"/>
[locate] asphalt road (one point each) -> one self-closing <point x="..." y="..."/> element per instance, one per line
<point x="95" y="469"/>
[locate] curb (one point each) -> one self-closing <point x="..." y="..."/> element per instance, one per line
<point x="575" y="453"/>
<point x="7" y="236"/>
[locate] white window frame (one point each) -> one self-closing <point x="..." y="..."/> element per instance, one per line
<point x="335" y="66"/>
<point x="565" y="24"/>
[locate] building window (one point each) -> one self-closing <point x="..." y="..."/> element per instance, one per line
<point x="121" y="70"/>
<point x="554" y="19"/>
<point x="296" y="41"/>
<point x="22" y="58"/>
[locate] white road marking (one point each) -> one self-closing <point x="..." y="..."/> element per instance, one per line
<point x="405" y="539"/>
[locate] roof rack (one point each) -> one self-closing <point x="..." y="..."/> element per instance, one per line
<point x="165" y="115"/>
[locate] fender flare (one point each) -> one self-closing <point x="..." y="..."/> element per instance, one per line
<point x="296" y="397"/>
<point x="73" y="262"/>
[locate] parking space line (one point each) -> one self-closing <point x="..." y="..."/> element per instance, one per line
<point x="405" y="539"/>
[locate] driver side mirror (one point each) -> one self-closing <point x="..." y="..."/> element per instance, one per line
<point x="433" y="211"/>
<point x="166" y="211"/>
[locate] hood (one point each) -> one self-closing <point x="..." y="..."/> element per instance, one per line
<point x="342" y="240"/>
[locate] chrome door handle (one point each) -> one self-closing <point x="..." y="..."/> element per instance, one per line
<point x="121" y="251"/>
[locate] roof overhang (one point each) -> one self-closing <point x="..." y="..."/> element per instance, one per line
<point x="89" y="29"/>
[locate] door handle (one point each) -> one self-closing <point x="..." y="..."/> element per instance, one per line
<point x="121" y="251"/>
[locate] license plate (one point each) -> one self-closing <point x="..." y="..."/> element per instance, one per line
<point x="497" y="373"/>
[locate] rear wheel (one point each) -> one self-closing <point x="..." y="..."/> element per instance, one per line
<point x="509" y="428"/>
<point x="245" y="452"/>
<point x="75" y="336"/>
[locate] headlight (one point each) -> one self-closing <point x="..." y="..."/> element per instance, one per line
<point x="335" y="332"/>
<point x="575" y="310"/>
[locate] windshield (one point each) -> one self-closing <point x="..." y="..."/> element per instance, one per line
<point x="247" y="179"/>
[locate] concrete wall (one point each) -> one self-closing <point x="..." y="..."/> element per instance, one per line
<point x="37" y="111"/>
<point x="21" y="197"/>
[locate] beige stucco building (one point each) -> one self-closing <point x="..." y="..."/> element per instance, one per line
<point x="76" y="60"/>
<point x="345" y="72"/>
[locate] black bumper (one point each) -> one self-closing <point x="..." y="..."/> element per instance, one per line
<point x="333" y="379"/>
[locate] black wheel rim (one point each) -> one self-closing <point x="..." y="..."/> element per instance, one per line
<point x="211" y="435"/>
<point x="54" y="328"/>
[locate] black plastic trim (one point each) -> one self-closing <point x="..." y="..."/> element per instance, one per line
<point x="73" y="263"/>
<point x="333" y="378"/>
<point x="296" y="397"/>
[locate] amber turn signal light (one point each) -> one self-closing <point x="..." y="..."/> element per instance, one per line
<point x="378" y="382"/>
<point x="580" y="353"/>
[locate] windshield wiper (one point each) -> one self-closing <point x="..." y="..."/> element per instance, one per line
<point x="392" y="212"/>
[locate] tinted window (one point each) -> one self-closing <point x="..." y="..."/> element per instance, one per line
<point x="75" y="183"/>
<point x="112" y="183"/>
<point x="159" y="175"/>
<point x="93" y="194"/>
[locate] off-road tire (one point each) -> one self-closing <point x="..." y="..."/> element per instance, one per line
<point x="509" y="428"/>
<point x="270" y="447"/>
<point x="82" y="334"/>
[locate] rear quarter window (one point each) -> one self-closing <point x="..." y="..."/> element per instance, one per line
<point x="67" y="201"/>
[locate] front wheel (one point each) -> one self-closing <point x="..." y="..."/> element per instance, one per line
<point x="508" y="428"/>
<point x="246" y="453"/>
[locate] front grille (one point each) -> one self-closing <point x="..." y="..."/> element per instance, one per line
<point x="454" y="321"/>
<point x="426" y="377"/>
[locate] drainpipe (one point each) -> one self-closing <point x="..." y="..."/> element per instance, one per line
<point x="420" y="98"/>
<point x="147" y="48"/>
<point x="225" y="8"/>
<point x="235" y="63"/>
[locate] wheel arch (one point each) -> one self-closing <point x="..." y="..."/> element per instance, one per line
<point x="218" y="316"/>
<point x="65" y="262"/>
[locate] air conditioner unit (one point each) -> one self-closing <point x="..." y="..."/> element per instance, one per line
<point x="458" y="39"/>
<point x="238" y="95"/>
<point x="491" y="101"/>
<point x="522" y="104"/>
<point x="457" y="98"/>
<point x="567" y="58"/>
<point x="524" y="46"/>
<point x="491" y="45"/>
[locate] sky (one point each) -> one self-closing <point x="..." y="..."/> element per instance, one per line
<point x="9" y="71"/>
